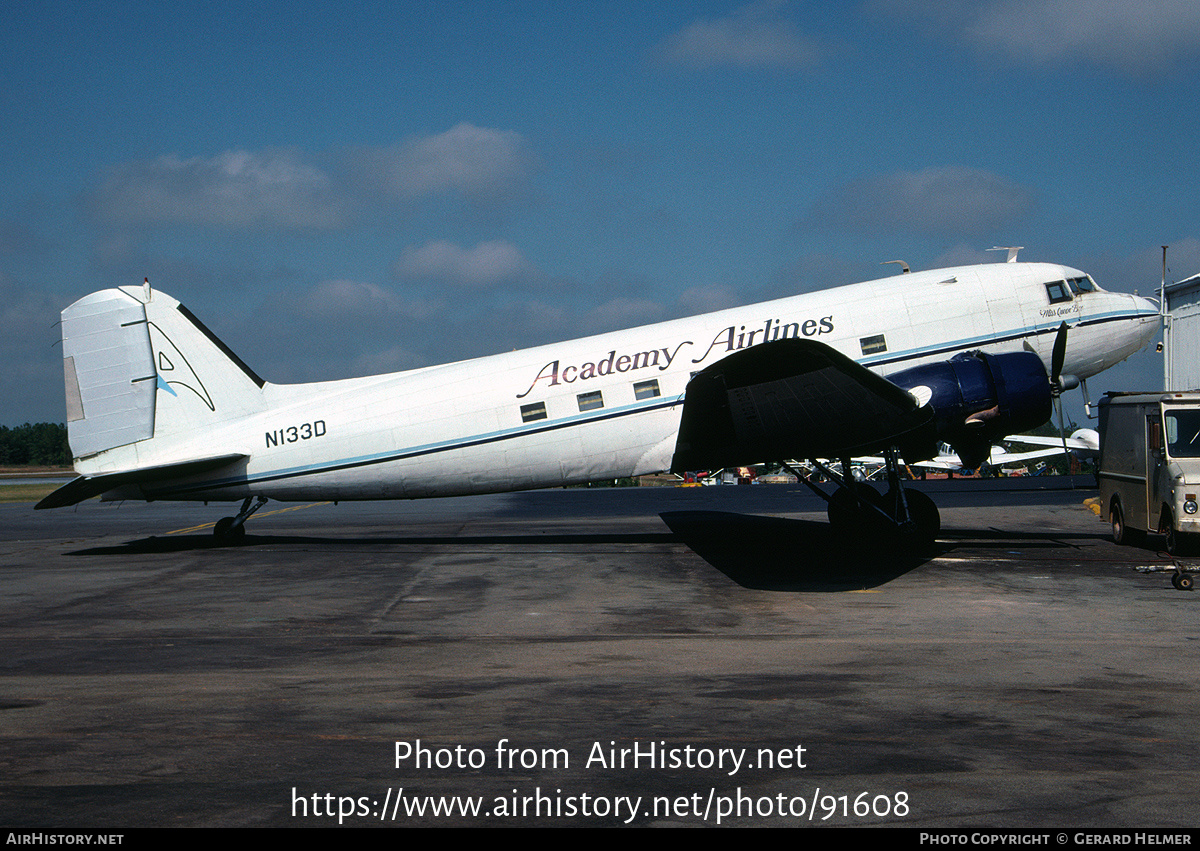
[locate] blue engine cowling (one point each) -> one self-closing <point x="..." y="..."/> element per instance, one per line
<point x="978" y="399"/>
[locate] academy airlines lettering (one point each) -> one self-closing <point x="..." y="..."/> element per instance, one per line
<point x="726" y="340"/>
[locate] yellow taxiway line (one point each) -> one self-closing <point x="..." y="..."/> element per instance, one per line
<point x="263" y="514"/>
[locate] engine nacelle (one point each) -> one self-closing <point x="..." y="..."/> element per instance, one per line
<point x="978" y="399"/>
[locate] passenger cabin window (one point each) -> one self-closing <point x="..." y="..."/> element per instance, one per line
<point x="535" y="411"/>
<point x="1058" y="291"/>
<point x="590" y="401"/>
<point x="873" y="345"/>
<point x="646" y="389"/>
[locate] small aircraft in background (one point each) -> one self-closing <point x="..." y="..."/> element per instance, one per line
<point x="1083" y="444"/>
<point x="158" y="408"/>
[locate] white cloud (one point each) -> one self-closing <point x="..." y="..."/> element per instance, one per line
<point x="349" y="303"/>
<point x="280" y="189"/>
<point x="485" y="265"/>
<point x="965" y="254"/>
<point x="813" y="272"/>
<point x="1131" y="37"/>
<point x="468" y="160"/>
<point x="947" y="200"/>
<point x="621" y="312"/>
<point x="706" y="299"/>
<point x="234" y="189"/>
<point x="395" y="359"/>
<point x="521" y="323"/>
<point x="755" y="36"/>
<point x="1142" y="270"/>
<point x="336" y="329"/>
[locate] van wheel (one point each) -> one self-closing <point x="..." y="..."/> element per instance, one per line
<point x="1179" y="543"/>
<point x="1122" y="534"/>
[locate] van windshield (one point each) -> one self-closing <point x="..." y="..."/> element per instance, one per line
<point x="1182" y="427"/>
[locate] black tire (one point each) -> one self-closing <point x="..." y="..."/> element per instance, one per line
<point x="226" y="533"/>
<point x="1183" y="581"/>
<point x="926" y="520"/>
<point x="1178" y="543"/>
<point x="1122" y="534"/>
<point x="846" y="516"/>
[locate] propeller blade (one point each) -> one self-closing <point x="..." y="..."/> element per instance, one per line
<point x="1059" y="356"/>
<point x="1062" y="433"/>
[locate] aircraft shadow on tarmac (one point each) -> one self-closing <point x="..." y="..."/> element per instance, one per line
<point x="766" y="553"/>
<point x="763" y="553"/>
<point x="782" y="554"/>
<point x="203" y="541"/>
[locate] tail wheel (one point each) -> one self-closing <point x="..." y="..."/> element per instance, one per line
<point x="226" y="533"/>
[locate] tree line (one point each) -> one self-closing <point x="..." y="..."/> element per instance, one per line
<point x="34" y="445"/>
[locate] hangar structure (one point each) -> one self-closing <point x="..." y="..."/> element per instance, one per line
<point x="1181" y="334"/>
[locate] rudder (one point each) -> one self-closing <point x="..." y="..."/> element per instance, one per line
<point x="108" y="367"/>
<point x="139" y="366"/>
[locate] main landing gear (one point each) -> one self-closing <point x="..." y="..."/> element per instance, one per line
<point x="858" y="510"/>
<point x="232" y="530"/>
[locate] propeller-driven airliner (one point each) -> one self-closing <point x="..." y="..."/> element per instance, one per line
<point x="158" y="408"/>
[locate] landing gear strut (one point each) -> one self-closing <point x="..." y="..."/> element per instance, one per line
<point x="915" y="515"/>
<point x="859" y="509"/>
<point x="232" y="530"/>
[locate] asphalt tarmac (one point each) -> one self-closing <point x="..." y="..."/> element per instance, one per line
<point x="651" y="656"/>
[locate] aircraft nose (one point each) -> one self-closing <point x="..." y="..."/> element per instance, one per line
<point x="1144" y="305"/>
<point x="1147" y="321"/>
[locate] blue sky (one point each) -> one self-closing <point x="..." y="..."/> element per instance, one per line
<point x="340" y="188"/>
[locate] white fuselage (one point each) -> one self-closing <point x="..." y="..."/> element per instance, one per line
<point x="609" y="405"/>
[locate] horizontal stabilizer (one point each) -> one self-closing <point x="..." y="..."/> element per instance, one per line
<point x="792" y="398"/>
<point x="86" y="487"/>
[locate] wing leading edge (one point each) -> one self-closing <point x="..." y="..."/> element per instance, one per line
<point x="795" y="398"/>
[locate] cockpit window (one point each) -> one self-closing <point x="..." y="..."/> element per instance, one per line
<point x="1082" y="285"/>
<point x="1058" y="291"/>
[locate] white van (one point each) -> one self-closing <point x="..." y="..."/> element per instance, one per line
<point x="1150" y="467"/>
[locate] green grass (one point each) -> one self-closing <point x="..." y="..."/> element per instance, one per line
<point x="25" y="493"/>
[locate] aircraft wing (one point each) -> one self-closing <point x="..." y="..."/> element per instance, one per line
<point x="998" y="457"/>
<point x="795" y="398"/>
<point x="86" y="487"/>
<point x="1076" y="441"/>
<point x="941" y="462"/>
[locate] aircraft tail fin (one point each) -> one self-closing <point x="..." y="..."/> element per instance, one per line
<point x="140" y="367"/>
